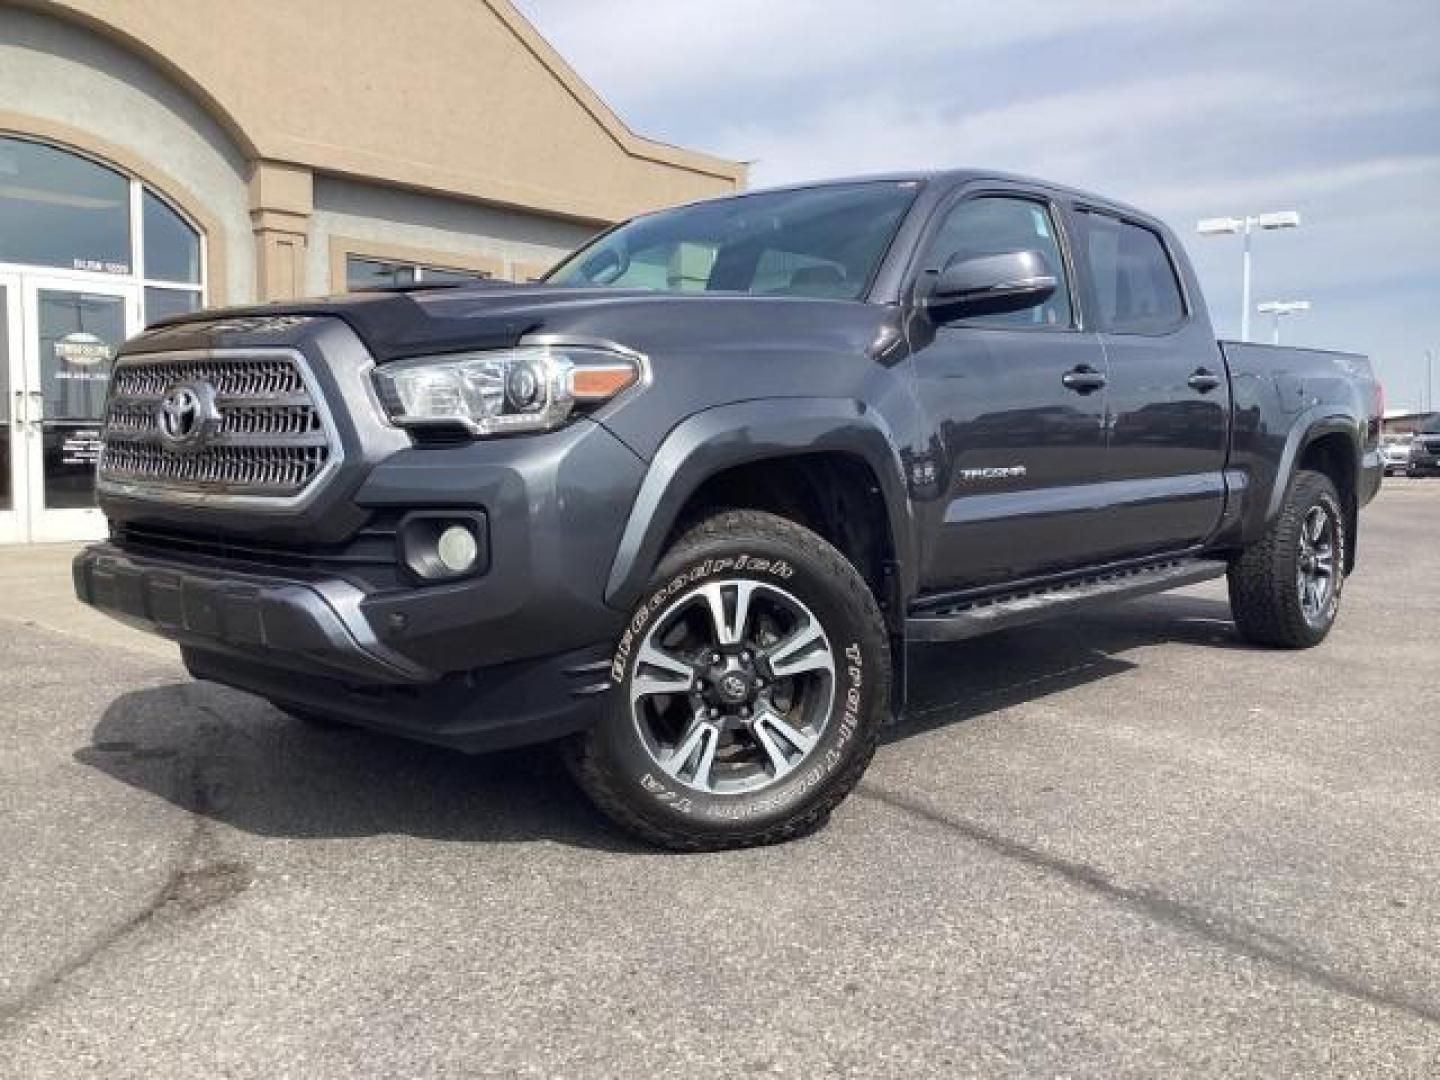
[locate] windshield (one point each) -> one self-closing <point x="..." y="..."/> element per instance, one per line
<point x="1429" y="425"/>
<point x="820" y="242"/>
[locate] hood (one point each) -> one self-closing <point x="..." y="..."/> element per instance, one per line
<point x="419" y="322"/>
<point x="395" y="324"/>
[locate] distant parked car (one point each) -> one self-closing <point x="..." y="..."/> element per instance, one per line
<point x="1425" y="448"/>
<point x="1395" y="453"/>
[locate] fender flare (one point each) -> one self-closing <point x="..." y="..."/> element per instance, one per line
<point x="1311" y="425"/>
<point x="720" y="438"/>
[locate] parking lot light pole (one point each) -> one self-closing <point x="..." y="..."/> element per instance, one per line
<point x="1279" y="308"/>
<point x="1229" y="226"/>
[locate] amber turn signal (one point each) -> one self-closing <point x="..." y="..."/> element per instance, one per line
<point x="597" y="382"/>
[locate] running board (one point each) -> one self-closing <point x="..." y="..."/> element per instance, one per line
<point x="971" y="618"/>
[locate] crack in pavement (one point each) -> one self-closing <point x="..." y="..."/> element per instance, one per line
<point x="197" y="879"/>
<point x="1231" y="934"/>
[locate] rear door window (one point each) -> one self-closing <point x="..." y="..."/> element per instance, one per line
<point x="1134" y="280"/>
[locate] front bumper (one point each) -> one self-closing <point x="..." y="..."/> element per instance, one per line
<point x="310" y="626"/>
<point x="305" y="645"/>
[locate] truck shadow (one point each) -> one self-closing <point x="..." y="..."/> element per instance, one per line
<point x="232" y="758"/>
<point x="950" y="684"/>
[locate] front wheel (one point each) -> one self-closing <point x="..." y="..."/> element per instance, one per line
<point x="1285" y="588"/>
<point x="750" y="685"/>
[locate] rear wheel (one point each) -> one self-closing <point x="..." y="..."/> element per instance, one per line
<point x="750" y="687"/>
<point x="1285" y="588"/>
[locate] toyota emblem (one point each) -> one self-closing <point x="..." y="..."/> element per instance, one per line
<point x="188" y="417"/>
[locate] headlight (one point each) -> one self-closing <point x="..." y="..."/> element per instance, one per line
<point x="497" y="392"/>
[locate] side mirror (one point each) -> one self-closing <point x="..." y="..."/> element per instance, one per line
<point x="991" y="284"/>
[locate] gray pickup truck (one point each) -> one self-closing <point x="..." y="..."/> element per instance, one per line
<point x="684" y="505"/>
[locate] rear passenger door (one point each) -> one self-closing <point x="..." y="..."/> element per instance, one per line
<point x="1168" y="404"/>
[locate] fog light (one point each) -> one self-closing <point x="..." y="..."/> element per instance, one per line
<point x="457" y="549"/>
<point x="444" y="545"/>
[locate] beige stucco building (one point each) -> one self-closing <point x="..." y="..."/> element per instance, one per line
<point x="160" y="155"/>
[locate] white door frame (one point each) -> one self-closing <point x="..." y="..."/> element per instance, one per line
<point x="42" y="524"/>
<point x="14" y="526"/>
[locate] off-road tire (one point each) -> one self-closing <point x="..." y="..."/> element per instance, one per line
<point x="611" y="762"/>
<point x="1265" y="595"/>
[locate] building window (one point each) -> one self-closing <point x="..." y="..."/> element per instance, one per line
<point x="172" y="247"/>
<point x="163" y="303"/>
<point x="63" y="211"/>
<point x="367" y="273"/>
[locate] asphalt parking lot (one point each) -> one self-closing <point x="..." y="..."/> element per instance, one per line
<point x="1118" y="845"/>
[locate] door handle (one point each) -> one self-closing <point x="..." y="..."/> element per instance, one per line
<point x="1204" y="381"/>
<point x="37" y="414"/>
<point x="18" y="415"/>
<point x="1083" y="379"/>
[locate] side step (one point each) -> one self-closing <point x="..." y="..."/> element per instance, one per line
<point x="971" y="618"/>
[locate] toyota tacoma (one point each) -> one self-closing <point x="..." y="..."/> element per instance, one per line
<point x="683" y="505"/>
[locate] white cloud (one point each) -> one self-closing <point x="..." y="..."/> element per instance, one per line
<point x="1058" y="135"/>
<point x="639" y="48"/>
<point x="1075" y="137"/>
<point x="1357" y="177"/>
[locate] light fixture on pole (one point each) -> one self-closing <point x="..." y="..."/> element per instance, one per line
<point x="1279" y="308"/>
<point x="1229" y="226"/>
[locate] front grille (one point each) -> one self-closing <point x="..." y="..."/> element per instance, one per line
<point x="270" y="438"/>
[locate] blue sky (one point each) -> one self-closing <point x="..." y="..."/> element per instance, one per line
<point x="1188" y="109"/>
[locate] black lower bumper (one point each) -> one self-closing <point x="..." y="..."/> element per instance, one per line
<point x="305" y="645"/>
<point x="513" y="704"/>
<point x="303" y="625"/>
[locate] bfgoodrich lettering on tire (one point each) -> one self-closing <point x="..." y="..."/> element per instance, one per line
<point x="750" y="685"/>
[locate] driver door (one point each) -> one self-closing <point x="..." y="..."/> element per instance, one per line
<point x="1019" y="447"/>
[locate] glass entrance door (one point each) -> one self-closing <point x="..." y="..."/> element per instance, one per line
<point x="12" y="411"/>
<point x="70" y="331"/>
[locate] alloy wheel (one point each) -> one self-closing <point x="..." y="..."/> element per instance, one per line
<point x="1315" y="567"/>
<point x="733" y="686"/>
